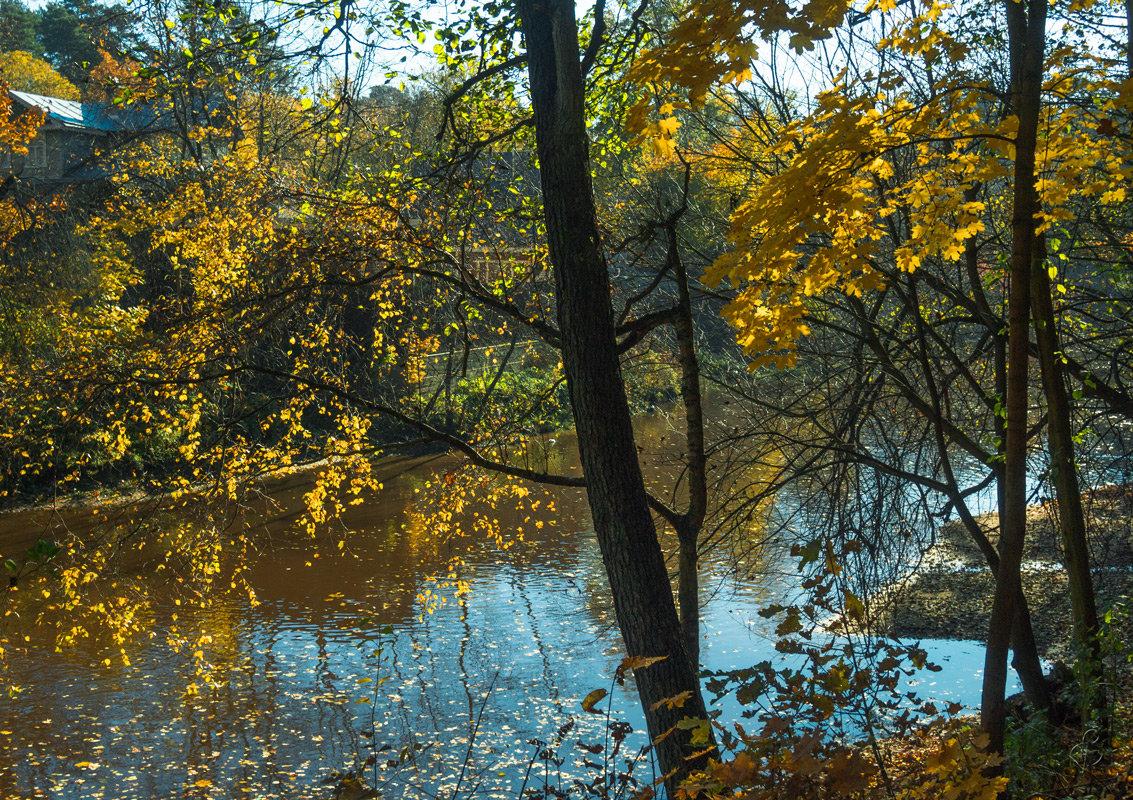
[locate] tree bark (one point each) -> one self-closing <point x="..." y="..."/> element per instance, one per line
<point x="631" y="553"/>
<point x="692" y="522"/>
<point x="1129" y="38"/>
<point x="1026" y="34"/>
<point x="1064" y="473"/>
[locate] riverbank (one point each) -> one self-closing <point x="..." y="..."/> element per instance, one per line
<point x="126" y="493"/>
<point x="950" y="595"/>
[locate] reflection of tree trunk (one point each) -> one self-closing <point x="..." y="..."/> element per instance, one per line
<point x="1026" y="34"/>
<point x="643" y="600"/>
<point x="461" y="659"/>
<point x="1065" y="475"/>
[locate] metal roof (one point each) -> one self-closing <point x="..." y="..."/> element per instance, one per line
<point x="102" y="117"/>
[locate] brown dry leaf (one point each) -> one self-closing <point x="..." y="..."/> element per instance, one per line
<point x="641" y="662"/>
<point x="944" y="759"/>
<point x="740" y="771"/>
<point x="774" y="725"/>
<point x="676" y="701"/>
<point x="592" y="698"/>
<point x="634" y="662"/>
<point x="850" y="772"/>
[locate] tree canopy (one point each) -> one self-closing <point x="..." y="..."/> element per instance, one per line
<point x="26" y="73"/>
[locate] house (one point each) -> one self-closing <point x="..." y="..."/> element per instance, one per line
<point x="74" y="134"/>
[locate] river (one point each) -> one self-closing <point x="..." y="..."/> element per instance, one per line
<point x="341" y="661"/>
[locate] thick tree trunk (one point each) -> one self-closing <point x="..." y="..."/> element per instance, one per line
<point x="643" y="599"/>
<point x="1026" y="33"/>
<point x="1025" y="651"/>
<point x="1026" y="656"/>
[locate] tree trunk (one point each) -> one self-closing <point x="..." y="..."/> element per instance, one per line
<point x="688" y="591"/>
<point x="631" y="553"/>
<point x="688" y="533"/>
<point x="1065" y="476"/>
<point x="1025" y="659"/>
<point x="1026" y="34"/>
<point x="1129" y="38"/>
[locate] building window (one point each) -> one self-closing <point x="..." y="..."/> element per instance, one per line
<point x="37" y="154"/>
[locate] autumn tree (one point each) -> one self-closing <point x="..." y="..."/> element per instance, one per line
<point x="27" y="73"/>
<point x="619" y="505"/>
<point x="257" y="290"/>
<point x="72" y="31"/>
<point x="864" y="217"/>
<point x="267" y="286"/>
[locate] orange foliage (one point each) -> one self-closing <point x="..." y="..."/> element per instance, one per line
<point x="111" y="76"/>
<point x="16" y="132"/>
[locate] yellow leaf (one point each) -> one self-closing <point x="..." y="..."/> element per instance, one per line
<point x="740" y="771"/>
<point x="663" y="147"/>
<point x="592" y="698"/>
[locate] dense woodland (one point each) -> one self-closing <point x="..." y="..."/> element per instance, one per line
<point x="878" y="251"/>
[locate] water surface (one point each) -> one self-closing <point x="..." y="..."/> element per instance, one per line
<point x="342" y="661"/>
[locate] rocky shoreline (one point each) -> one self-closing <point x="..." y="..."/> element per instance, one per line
<point x="950" y="595"/>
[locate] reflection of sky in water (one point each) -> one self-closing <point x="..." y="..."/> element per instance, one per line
<point x="306" y="689"/>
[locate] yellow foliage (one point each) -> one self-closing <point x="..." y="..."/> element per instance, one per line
<point x="591" y="700"/>
<point x="876" y="174"/>
<point x="101" y="365"/>
<point x="15" y="133"/>
<point x="25" y="72"/>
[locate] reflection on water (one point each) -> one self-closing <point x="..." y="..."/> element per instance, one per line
<point x="340" y="663"/>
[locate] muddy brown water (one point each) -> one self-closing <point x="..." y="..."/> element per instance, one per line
<point x="340" y="661"/>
